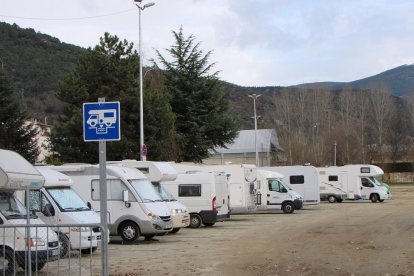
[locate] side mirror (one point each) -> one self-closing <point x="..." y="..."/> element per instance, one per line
<point x="89" y="205"/>
<point x="361" y="187"/>
<point x="125" y="197"/>
<point x="48" y="210"/>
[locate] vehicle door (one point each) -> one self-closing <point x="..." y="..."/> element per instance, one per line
<point x="277" y="192"/>
<point x="366" y="187"/>
<point x="43" y="207"/>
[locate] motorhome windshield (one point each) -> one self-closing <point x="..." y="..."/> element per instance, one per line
<point x="145" y="190"/>
<point x="11" y="208"/>
<point x="67" y="199"/>
<point x="165" y="194"/>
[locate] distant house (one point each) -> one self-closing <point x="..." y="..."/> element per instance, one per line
<point x="43" y="138"/>
<point x="242" y="150"/>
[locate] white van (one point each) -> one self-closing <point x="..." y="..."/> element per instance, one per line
<point x="157" y="172"/>
<point x="356" y="181"/>
<point x="302" y="179"/>
<point x="273" y="193"/>
<point x="204" y="193"/>
<point x="16" y="173"/>
<point x="135" y="208"/>
<point x="58" y="203"/>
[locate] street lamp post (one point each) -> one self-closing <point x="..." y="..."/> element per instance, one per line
<point x="142" y="148"/>
<point x="254" y="97"/>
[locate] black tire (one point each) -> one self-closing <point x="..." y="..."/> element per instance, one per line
<point x="374" y="198"/>
<point x="288" y="208"/>
<point x="7" y="262"/>
<point x="381" y="200"/>
<point x="175" y="230"/>
<point x="332" y="199"/>
<point x="129" y="231"/>
<point x="339" y="200"/>
<point x="64" y="245"/>
<point x="88" y="250"/>
<point x="195" y="221"/>
<point x="208" y="224"/>
<point x="38" y="266"/>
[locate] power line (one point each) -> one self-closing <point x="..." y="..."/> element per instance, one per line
<point x="66" y="19"/>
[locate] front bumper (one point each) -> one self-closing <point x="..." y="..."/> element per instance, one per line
<point x="180" y="220"/>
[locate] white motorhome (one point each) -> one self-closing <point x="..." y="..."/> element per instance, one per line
<point x="58" y="203"/>
<point x="134" y="206"/>
<point x="302" y="179"/>
<point x="273" y="193"/>
<point x="158" y="172"/>
<point x="356" y="181"/>
<point x="204" y="193"/>
<point x="242" y="180"/>
<point x="16" y="173"/>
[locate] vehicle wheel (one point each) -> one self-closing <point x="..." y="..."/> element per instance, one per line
<point x="339" y="200"/>
<point x="175" y="230"/>
<point x="374" y="198"/>
<point x="39" y="266"/>
<point x="195" y="221"/>
<point x="288" y="208"/>
<point x="88" y="250"/>
<point x="209" y="224"/>
<point x="64" y="245"/>
<point x="7" y="266"/>
<point x="381" y="200"/>
<point x="332" y="199"/>
<point x="129" y="231"/>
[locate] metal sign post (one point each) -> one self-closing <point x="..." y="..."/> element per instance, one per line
<point x="101" y="122"/>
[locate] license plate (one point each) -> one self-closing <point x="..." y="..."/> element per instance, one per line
<point x="55" y="252"/>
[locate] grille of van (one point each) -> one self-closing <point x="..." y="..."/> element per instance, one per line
<point x="96" y="229"/>
<point x="165" y="218"/>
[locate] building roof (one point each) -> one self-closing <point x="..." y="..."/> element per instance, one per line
<point x="245" y="142"/>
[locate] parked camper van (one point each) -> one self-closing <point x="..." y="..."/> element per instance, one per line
<point x="302" y="179"/>
<point x="273" y="193"/>
<point x="58" y="203"/>
<point x="204" y="193"/>
<point x="16" y="173"/>
<point x="242" y="185"/>
<point x="158" y="172"/>
<point x="134" y="206"/>
<point x="356" y="181"/>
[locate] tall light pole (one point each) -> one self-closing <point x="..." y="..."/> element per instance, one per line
<point x="254" y="97"/>
<point x="142" y="147"/>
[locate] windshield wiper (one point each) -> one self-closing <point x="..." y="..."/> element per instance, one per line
<point x="150" y="200"/>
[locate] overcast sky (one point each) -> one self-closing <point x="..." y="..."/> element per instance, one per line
<point x="254" y="42"/>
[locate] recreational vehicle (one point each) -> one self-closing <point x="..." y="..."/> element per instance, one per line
<point x="16" y="173"/>
<point x="134" y="206"/>
<point x="356" y="181"/>
<point x="242" y="180"/>
<point x="157" y="172"/>
<point x="273" y="193"/>
<point x="204" y="193"/>
<point x="302" y="179"/>
<point x="57" y="203"/>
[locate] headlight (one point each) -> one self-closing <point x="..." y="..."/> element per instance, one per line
<point x="80" y="229"/>
<point x="35" y="242"/>
<point x="153" y="217"/>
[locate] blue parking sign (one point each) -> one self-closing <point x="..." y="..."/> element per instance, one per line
<point x="101" y="121"/>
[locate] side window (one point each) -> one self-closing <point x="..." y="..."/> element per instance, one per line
<point x="115" y="189"/>
<point x="35" y="201"/>
<point x="333" y="178"/>
<point x="189" y="190"/>
<point x="274" y="186"/>
<point x="366" y="183"/>
<point x="297" y="179"/>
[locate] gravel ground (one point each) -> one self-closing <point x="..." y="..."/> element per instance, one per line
<point x="349" y="238"/>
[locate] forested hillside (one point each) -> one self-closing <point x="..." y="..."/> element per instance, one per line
<point x="369" y="119"/>
<point x="36" y="62"/>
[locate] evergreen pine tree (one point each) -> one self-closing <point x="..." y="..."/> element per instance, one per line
<point x="15" y="134"/>
<point x="201" y="107"/>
